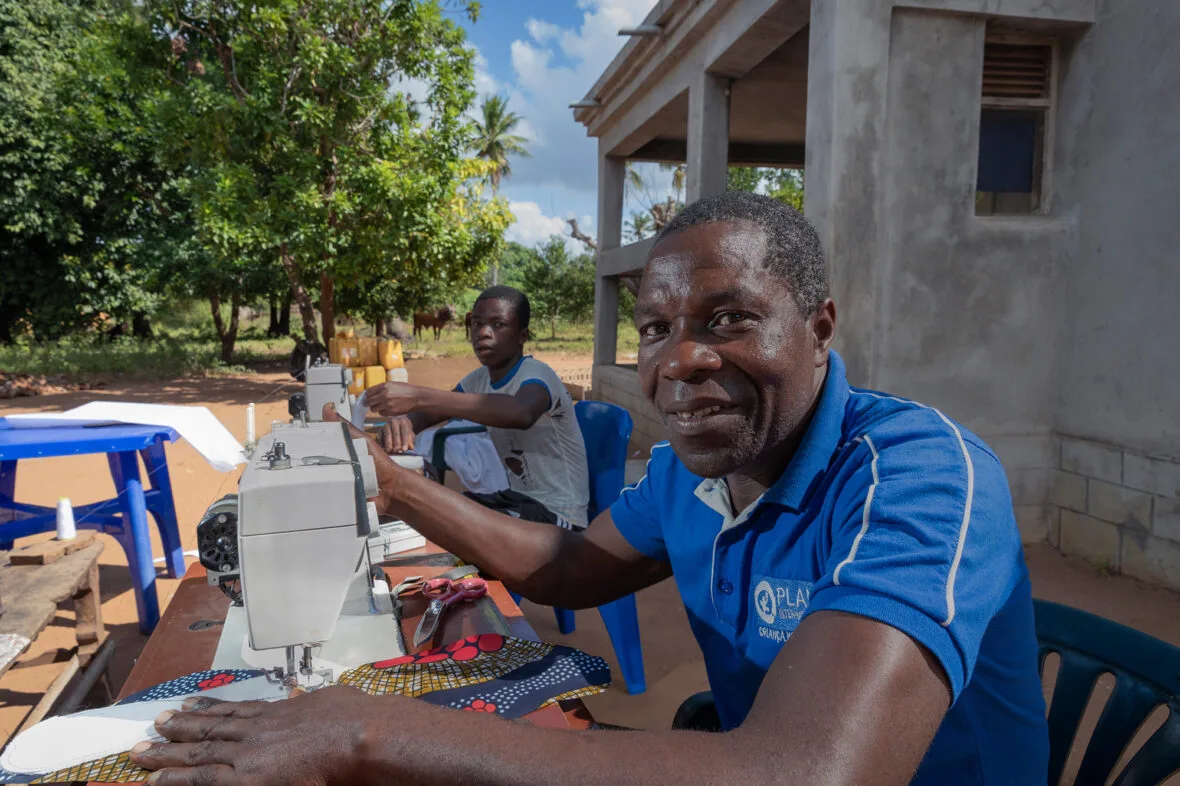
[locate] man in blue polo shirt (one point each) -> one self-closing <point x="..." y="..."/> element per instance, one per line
<point x="849" y="562"/>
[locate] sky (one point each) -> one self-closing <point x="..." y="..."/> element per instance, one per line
<point x="544" y="55"/>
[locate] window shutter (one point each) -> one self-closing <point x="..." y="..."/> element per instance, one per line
<point x="1016" y="71"/>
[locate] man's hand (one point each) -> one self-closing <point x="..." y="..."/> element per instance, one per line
<point x="309" y="740"/>
<point x="388" y="471"/>
<point x="397" y="435"/>
<point x="393" y="398"/>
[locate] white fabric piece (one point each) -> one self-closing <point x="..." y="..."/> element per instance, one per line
<point x="196" y="424"/>
<point x="69" y="740"/>
<point x="11" y="647"/>
<point x="473" y="458"/>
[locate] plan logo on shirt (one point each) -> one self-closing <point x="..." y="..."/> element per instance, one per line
<point x="779" y="604"/>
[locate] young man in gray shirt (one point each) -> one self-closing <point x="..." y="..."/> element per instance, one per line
<point x="527" y="410"/>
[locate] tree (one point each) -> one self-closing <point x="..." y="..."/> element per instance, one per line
<point x="495" y="142"/>
<point x="785" y="185"/>
<point x="83" y="202"/>
<point x="639" y="227"/>
<point x="301" y="152"/>
<point x="557" y="284"/>
<point x="494" y="139"/>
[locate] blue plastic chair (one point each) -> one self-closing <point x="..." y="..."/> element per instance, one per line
<point x="606" y="430"/>
<point x="1147" y="675"/>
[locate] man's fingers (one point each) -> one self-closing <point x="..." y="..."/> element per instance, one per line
<point x="330" y="415"/>
<point x="387" y="439"/>
<point x="162" y="755"/>
<point x="237" y="709"/>
<point x="209" y="775"/>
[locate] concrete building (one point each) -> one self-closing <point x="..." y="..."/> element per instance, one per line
<point x="994" y="184"/>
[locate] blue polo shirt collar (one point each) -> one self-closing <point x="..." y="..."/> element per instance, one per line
<point x="824" y="435"/>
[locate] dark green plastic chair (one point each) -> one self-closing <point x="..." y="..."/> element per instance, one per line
<point x="1147" y="675"/>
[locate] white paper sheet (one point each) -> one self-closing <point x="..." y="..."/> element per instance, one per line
<point x="195" y="424"/>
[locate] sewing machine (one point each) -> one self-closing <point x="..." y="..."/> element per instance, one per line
<point x="325" y="383"/>
<point x="292" y="550"/>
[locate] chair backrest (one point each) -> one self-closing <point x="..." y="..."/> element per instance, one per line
<point x="1147" y="675"/>
<point x="606" y="430"/>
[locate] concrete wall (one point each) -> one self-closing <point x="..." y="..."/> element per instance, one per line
<point x="1048" y="335"/>
<point x="1051" y="336"/>
<point x="1120" y="145"/>
<point x="620" y="385"/>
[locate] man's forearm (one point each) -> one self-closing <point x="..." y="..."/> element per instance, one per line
<point x="526" y="555"/>
<point x="495" y="410"/>
<point x="422" y="420"/>
<point x="496" y="751"/>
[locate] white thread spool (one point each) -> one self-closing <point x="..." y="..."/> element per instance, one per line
<point x="250" y="442"/>
<point x="65" y="520"/>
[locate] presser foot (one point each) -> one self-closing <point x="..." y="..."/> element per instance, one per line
<point x="304" y="678"/>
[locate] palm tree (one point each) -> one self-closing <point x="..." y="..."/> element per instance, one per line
<point x="495" y="140"/>
<point x="679" y="176"/>
<point x="639" y="227"/>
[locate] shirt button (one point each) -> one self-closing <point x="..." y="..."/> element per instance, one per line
<point x="725" y="587"/>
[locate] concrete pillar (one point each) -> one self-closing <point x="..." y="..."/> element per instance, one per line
<point x="611" y="179"/>
<point x="708" y="136"/>
<point x="847" y="83"/>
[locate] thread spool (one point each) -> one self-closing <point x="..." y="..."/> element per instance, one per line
<point x="65" y="520"/>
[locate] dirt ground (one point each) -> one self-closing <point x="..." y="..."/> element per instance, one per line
<point x="673" y="664"/>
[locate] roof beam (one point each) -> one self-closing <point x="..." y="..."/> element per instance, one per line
<point x="768" y="154"/>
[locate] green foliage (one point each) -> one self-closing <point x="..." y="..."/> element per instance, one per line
<point x="232" y="150"/>
<point x="302" y="154"/>
<point x="557" y="284"/>
<point x="81" y="202"/>
<point x="494" y="140"/>
<point x="639" y="226"/>
<point x="785" y="185"/>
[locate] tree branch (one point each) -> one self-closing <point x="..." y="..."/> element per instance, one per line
<point x="287" y="88"/>
<point x="577" y="234"/>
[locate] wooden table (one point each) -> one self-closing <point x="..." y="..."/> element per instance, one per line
<point x="186" y="638"/>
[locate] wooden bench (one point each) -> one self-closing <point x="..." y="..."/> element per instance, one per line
<point x="34" y="582"/>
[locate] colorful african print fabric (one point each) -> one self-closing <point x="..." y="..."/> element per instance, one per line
<point x="484" y="673"/>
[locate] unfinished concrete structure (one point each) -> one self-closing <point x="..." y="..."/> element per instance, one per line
<point x="993" y="182"/>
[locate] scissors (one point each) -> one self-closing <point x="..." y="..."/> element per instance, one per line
<point x="442" y="593"/>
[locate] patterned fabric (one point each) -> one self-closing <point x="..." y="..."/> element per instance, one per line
<point x="484" y="673"/>
<point x="112" y="769"/>
<point x="192" y="683"/>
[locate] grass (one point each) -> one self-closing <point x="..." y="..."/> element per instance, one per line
<point x="573" y="338"/>
<point x="186" y="345"/>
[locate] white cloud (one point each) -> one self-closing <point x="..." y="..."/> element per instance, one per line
<point x="553" y="67"/>
<point x="485" y="83"/>
<point x="542" y="31"/>
<point x="533" y="226"/>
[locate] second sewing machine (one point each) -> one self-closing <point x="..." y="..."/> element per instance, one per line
<point x="295" y="550"/>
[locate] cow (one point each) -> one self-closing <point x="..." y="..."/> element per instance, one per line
<point x="467" y="326"/>
<point x="437" y="320"/>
